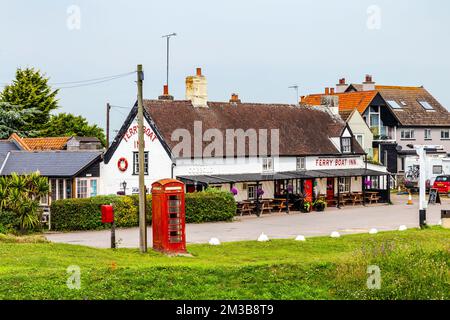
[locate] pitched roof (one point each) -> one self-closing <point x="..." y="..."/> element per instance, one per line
<point x="46" y="143"/>
<point x="5" y="147"/>
<point x="347" y="100"/>
<point x="49" y="163"/>
<point x="302" y="131"/>
<point x="412" y="113"/>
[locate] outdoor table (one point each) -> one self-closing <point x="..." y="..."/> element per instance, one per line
<point x="372" y="196"/>
<point x="357" y="198"/>
<point x="266" y="205"/>
<point x="247" y="207"/>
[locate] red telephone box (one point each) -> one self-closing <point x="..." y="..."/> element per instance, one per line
<point x="168" y="216"/>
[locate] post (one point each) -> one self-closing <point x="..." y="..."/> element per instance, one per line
<point x="338" y="194"/>
<point x="287" y="195"/>
<point x="113" y="235"/>
<point x="364" y="190"/>
<point x="422" y="185"/>
<point x="388" y="187"/>
<point x="257" y="199"/>
<point x="167" y="66"/>
<point x="142" y="200"/>
<point x="108" y="109"/>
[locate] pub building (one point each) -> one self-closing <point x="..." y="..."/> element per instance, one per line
<point x="317" y="154"/>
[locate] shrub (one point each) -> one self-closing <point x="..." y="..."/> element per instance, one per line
<point x="85" y="214"/>
<point x="9" y="221"/>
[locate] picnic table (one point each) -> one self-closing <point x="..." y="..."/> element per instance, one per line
<point x="356" y="197"/>
<point x="372" y="196"/>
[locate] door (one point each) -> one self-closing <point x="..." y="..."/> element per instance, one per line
<point x="330" y="188"/>
<point x="308" y="190"/>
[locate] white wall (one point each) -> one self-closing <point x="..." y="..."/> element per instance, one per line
<point x="159" y="163"/>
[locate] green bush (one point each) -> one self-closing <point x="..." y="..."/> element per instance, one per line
<point x="85" y="214"/>
<point x="9" y="221"/>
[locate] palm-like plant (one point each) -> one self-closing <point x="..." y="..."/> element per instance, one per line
<point x="28" y="213"/>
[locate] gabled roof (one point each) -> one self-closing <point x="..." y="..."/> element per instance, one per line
<point x="347" y="100"/>
<point x="5" y="147"/>
<point x="49" y="163"/>
<point x="302" y="131"/>
<point x="413" y="113"/>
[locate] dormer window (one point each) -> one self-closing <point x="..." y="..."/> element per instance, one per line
<point x="346" y="145"/>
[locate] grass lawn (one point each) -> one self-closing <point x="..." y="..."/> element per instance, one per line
<point x="414" y="264"/>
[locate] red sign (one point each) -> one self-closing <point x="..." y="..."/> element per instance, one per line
<point x="134" y="130"/>
<point x="107" y="213"/>
<point x="336" y="162"/>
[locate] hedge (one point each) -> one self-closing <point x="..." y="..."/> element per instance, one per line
<point x="84" y="214"/>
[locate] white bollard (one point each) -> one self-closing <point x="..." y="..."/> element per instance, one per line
<point x="262" y="237"/>
<point x="335" y="234"/>
<point x="214" y="242"/>
<point x="373" y="231"/>
<point x="300" y="238"/>
<point x="402" y="228"/>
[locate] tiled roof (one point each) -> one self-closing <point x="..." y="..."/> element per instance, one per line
<point x="347" y="100"/>
<point x="49" y="163"/>
<point x="47" y="143"/>
<point x="302" y="131"/>
<point x="412" y="113"/>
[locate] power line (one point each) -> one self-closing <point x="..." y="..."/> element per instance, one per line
<point x="92" y="83"/>
<point x="95" y="79"/>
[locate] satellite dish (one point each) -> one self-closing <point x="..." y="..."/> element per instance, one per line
<point x="398" y="148"/>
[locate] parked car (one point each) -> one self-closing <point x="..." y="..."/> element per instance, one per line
<point x="442" y="184"/>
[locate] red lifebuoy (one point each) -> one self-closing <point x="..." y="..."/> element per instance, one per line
<point x="122" y="164"/>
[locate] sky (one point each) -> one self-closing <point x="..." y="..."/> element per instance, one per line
<point x="254" y="48"/>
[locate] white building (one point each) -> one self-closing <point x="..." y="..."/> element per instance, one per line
<point x="246" y="146"/>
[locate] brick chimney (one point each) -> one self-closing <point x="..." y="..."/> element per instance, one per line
<point x="368" y="84"/>
<point x="196" y="89"/>
<point x="165" y="95"/>
<point x="327" y="91"/>
<point x="341" y="86"/>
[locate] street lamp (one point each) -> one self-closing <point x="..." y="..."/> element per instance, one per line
<point x="168" y="36"/>
<point x="124" y="186"/>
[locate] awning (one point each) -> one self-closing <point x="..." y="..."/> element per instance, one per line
<point x="287" y="175"/>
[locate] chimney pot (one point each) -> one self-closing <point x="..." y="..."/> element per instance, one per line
<point x="166" y="90"/>
<point x="368" y="78"/>
<point x="199" y="72"/>
<point x="342" y="81"/>
<point x="331" y="90"/>
<point x="327" y="91"/>
<point x="235" y="98"/>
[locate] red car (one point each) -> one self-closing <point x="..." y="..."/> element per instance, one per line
<point x="442" y="184"/>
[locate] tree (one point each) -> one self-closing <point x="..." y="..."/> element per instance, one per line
<point x="66" y="124"/>
<point x="13" y="119"/>
<point x="30" y="90"/>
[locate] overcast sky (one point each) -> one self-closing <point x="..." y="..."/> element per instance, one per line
<point x="254" y="48"/>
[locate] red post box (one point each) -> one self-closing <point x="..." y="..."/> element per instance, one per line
<point x="168" y="216"/>
<point x="107" y="213"/>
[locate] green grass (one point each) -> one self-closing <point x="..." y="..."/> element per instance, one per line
<point x="414" y="264"/>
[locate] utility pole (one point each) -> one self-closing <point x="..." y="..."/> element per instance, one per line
<point x="108" y="109"/>
<point x="421" y="152"/>
<point x="142" y="196"/>
<point x="167" y="36"/>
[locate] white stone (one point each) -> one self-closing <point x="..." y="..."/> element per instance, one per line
<point x="440" y="222"/>
<point x="262" y="237"/>
<point x="373" y="231"/>
<point x="300" y="238"/>
<point x="214" y="242"/>
<point x="335" y="234"/>
<point x="402" y="228"/>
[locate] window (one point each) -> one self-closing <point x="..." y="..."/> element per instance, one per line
<point x="346" y="145"/>
<point x="403" y="103"/>
<point x="93" y="188"/>
<point x="68" y="188"/>
<point x="53" y="193"/>
<point x="344" y="184"/>
<point x="136" y="162"/>
<point x="425" y="105"/>
<point x="374" y="182"/>
<point x="442" y="179"/>
<point x="393" y="104"/>
<point x="251" y="192"/>
<point x="60" y="189"/>
<point x="445" y="134"/>
<point x="427" y="134"/>
<point x="82" y="188"/>
<point x="301" y="163"/>
<point x="267" y="165"/>
<point x="407" y="134"/>
<point x="437" y="169"/>
<point x="360" y="139"/>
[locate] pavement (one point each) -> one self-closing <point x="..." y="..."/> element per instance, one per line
<point x="357" y="219"/>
